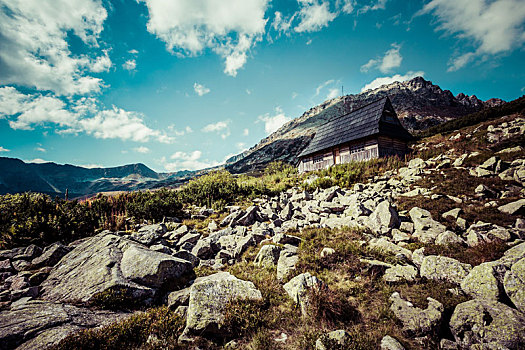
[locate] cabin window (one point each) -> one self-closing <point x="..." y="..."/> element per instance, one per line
<point x="357" y="148"/>
<point x="389" y="117"/>
<point x="318" y="159"/>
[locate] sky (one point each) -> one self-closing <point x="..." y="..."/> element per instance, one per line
<point x="185" y="84"/>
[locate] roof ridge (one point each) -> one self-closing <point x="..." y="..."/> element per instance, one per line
<point x="355" y="110"/>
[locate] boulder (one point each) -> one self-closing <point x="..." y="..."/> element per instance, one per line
<point x="30" y="252"/>
<point x="51" y="255"/>
<point x="514" y="284"/>
<point x="190" y="237"/>
<point x="426" y="229"/>
<point x="383" y="218"/>
<point x="334" y="340"/>
<point x="482" y="283"/>
<point x="38" y="324"/>
<point x="453" y="213"/>
<point x="399" y="273"/>
<point x="482" y="232"/>
<point x="514" y="208"/>
<point x="107" y="262"/>
<point x="448" y="238"/>
<point x="297" y="289"/>
<point x="442" y="268"/>
<point x="286" y="263"/>
<point x="381" y="244"/>
<point x="478" y="322"/>
<point x="268" y="255"/>
<point x="209" y="298"/>
<point x="417" y="321"/>
<point x="390" y="343"/>
<point x="149" y="234"/>
<point x="249" y="217"/>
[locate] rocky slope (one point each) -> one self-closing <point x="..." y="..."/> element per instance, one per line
<point x="430" y="255"/>
<point x="418" y="103"/>
<point x="51" y="178"/>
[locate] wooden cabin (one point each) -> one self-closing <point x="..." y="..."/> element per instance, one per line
<point x="370" y="131"/>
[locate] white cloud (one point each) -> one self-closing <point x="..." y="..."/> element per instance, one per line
<point x="221" y="125"/>
<point x="387" y="80"/>
<point x="272" y="123"/>
<point x="376" y="5"/>
<point x="322" y="86"/>
<point x="27" y="111"/>
<point x="493" y="27"/>
<point x="91" y="166"/>
<point x="391" y="59"/>
<point x="246" y="132"/>
<point x="133" y="52"/>
<point x="130" y="65"/>
<point x="35" y="52"/>
<point x="314" y="15"/>
<point x="41" y="149"/>
<point x="102" y="63"/>
<point x="332" y="93"/>
<point x="201" y="90"/>
<point x="248" y="91"/>
<point x="241" y="146"/>
<point x="187" y="161"/>
<point x="348" y="6"/>
<point x="228" y="27"/>
<point x="280" y="24"/>
<point x="2" y="149"/>
<point x="141" y="149"/>
<point x="38" y="161"/>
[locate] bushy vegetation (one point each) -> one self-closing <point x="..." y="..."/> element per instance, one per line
<point x="37" y="218"/>
<point x="157" y="328"/>
<point x="516" y="106"/>
<point x="346" y="175"/>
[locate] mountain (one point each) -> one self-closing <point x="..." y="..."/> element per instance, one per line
<point x="54" y="179"/>
<point x="418" y="103"/>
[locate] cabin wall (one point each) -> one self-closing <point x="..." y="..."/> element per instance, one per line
<point x="389" y="146"/>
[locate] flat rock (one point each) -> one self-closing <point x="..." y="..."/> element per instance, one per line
<point x="482" y="283"/>
<point x="426" y="229"/>
<point x="51" y="255"/>
<point x="149" y="233"/>
<point x="39" y="324"/>
<point x="400" y="273"/>
<point x="514" y="208"/>
<point x="268" y="255"/>
<point x="390" y="343"/>
<point x="442" y="268"/>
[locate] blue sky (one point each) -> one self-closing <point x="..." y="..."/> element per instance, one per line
<point x="184" y="84"/>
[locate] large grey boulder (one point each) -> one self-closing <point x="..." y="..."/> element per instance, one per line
<point x="149" y="234"/>
<point x="417" y="321"/>
<point x="383" y="218"/>
<point x="442" y="268"/>
<point x="209" y="298"/>
<point x="482" y="232"/>
<point x="268" y="255"/>
<point x="297" y="289"/>
<point x="38" y="324"/>
<point x="426" y="229"/>
<point x="286" y="263"/>
<point x="108" y="262"/>
<point x="477" y="322"/>
<point x="514" y="284"/>
<point x="482" y="281"/>
<point x="400" y="273"/>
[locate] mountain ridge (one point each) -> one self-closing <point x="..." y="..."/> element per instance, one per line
<point x="419" y="104"/>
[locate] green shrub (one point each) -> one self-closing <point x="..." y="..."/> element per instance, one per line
<point x="130" y="333"/>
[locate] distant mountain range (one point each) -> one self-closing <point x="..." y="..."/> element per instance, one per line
<point x="54" y="179"/>
<point x="418" y="103"/>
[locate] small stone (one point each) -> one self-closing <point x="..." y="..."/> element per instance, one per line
<point x="389" y="343"/>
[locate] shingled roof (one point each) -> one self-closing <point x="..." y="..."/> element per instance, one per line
<point x="361" y="122"/>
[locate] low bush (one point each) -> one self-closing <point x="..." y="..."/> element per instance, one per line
<point x="161" y="324"/>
